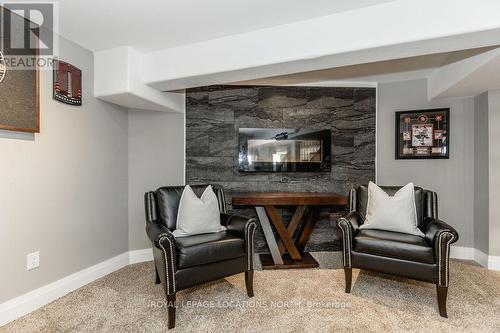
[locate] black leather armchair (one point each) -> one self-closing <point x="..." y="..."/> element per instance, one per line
<point x="187" y="261"/>
<point x="425" y="259"/>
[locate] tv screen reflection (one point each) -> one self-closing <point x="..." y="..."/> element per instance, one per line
<point x="284" y="150"/>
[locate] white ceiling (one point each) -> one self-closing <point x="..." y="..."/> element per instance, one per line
<point x="151" y="25"/>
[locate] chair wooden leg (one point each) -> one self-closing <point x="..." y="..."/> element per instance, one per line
<point x="249" y="282"/>
<point x="157" y="281"/>
<point x="442" y="294"/>
<point x="171" y="310"/>
<point x="348" y="279"/>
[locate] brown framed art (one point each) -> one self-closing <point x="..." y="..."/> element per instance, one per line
<point x="67" y="83"/>
<point x="423" y="134"/>
<point x="20" y="96"/>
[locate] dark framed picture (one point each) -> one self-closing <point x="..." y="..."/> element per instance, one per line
<point x="423" y="134"/>
<point x="19" y="89"/>
<point x="67" y="83"/>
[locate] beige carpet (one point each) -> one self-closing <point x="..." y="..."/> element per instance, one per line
<point x="285" y="301"/>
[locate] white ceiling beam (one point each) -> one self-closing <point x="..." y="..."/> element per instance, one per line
<point x="388" y="31"/>
<point x="467" y="77"/>
<point x="117" y="79"/>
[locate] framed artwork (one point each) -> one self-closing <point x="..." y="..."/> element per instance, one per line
<point x="3" y="67"/>
<point x="67" y="83"/>
<point x="19" y="90"/>
<point x="423" y="134"/>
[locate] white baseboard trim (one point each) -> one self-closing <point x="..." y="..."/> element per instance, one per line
<point x="469" y="253"/>
<point x="37" y="298"/>
<point x="481" y="258"/>
<point x="138" y="256"/>
<point x="494" y="263"/>
<point x="460" y="252"/>
<point x="24" y="304"/>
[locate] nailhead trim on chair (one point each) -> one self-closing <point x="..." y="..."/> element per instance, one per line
<point x="250" y="244"/>
<point x="446" y="257"/>
<point x="343" y="223"/>
<point x="169" y="272"/>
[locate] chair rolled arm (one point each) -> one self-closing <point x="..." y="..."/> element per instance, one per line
<point x="353" y="219"/>
<point x="349" y="224"/>
<point x="441" y="235"/>
<point x="435" y="227"/>
<point x="244" y="227"/>
<point x="157" y="232"/>
<point x="163" y="239"/>
<point x="236" y="224"/>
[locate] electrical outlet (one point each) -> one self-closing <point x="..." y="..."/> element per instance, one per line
<point x="33" y="260"/>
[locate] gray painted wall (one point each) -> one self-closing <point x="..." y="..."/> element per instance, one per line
<point x="156" y="158"/>
<point x="63" y="191"/>
<point x="452" y="179"/>
<point x="481" y="173"/>
<point x="214" y="114"/>
<point x="494" y="171"/>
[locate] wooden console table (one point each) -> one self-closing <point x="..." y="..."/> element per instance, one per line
<point x="307" y="208"/>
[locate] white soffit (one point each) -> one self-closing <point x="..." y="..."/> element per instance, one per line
<point x="372" y="73"/>
<point x="388" y="31"/>
<point x="117" y="79"/>
<point x="391" y="30"/>
<point x="467" y="77"/>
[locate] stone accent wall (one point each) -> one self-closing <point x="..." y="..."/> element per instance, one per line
<point x="214" y="114"/>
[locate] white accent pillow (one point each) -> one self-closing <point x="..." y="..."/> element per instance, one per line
<point x="397" y="213"/>
<point x="198" y="215"/>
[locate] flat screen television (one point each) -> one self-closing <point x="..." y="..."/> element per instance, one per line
<point x="284" y="150"/>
